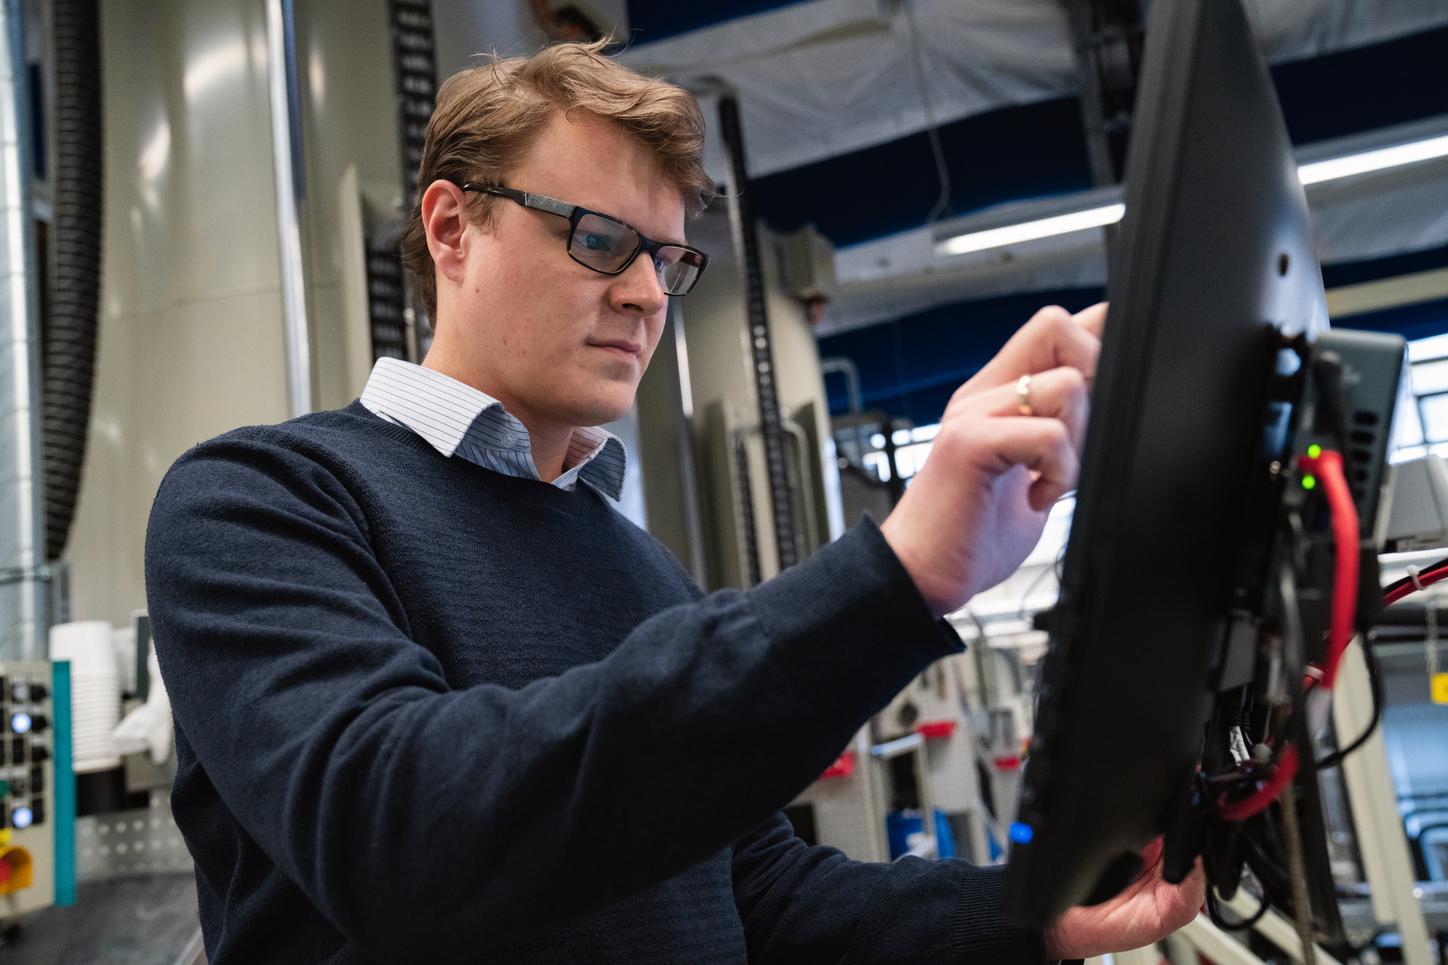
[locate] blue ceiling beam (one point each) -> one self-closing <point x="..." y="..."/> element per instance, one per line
<point x="1364" y="88"/>
<point x="1032" y="151"/>
<point x="1374" y="269"/>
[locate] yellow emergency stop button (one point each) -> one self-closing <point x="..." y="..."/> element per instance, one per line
<point x="16" y="870"/>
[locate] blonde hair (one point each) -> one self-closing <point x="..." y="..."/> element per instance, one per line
<point x="487" y="117"/>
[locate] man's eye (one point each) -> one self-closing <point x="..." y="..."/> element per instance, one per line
<point x="596" y="242"/>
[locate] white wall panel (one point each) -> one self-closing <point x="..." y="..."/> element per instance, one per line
<point x="190" y="340"/>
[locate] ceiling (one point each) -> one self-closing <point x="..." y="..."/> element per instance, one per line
<point x="837" y="99"/>
<point x="821" y="79"/>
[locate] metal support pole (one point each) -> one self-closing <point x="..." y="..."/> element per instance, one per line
<point x="23" y="591"/>
<point x="1277" y="929"/>
<point x="1222" y="948"/>
<point x="1108" y="38"/>
<point x="1378" y="826"/>
<point x="414" y="61"/>
<point x="286" y="162"/>
<point x="746" y="227"/>
<point x="1217" y="945"/>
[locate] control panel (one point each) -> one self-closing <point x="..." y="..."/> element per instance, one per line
<point x="37" y="840"/>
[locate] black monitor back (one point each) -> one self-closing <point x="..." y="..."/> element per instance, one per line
<point x="1213" y="264"/>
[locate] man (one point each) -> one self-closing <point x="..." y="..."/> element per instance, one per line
<point x="437" y="701"/>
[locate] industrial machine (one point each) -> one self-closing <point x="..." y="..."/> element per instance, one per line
<point x="37" y="787"/>
<point x="1230" y="422"/>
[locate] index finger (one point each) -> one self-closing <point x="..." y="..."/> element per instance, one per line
<point x="1092" y="319"/>
<point x="1052" y="338"/>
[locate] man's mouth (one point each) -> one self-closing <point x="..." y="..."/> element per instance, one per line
<point x="621" y="345"/>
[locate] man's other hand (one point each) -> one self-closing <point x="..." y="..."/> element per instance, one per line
<point x="1146" y="912"/>
<point x="976" y="508"/>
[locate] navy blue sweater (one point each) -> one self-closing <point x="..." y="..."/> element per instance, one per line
<point x="426" y="712"/>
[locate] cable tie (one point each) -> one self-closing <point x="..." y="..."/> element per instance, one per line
<point x="1414" y="576"/>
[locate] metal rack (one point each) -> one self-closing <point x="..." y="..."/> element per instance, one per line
<point x="141" y="841"/>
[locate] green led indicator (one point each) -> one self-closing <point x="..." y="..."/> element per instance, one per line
<point x="1313" y="451"/>
<point x="1309" y="482"/>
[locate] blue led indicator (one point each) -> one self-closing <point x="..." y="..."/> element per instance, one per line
<point x="21" y="818"/>
<point x="1022" y="833"/>
<point x="20" y="722"/>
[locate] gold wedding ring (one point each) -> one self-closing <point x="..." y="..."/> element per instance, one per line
<point x="1023" y="396"/>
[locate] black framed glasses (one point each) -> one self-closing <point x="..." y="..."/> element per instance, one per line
<point x="604" y="244"/>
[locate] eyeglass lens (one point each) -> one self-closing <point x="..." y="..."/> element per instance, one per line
<point x="606" y="245"/>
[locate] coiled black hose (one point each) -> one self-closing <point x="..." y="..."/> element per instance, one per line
<point x="69" y="346"/>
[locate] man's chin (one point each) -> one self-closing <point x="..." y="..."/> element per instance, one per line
<point x="601" y="411"/>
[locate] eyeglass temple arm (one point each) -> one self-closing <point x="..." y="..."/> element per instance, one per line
<point x="538" y="201"/>
<point x="551" y="205"/>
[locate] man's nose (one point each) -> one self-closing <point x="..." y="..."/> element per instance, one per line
<point x="638" y="289"/>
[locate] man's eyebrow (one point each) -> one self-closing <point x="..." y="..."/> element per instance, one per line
<point x="662" y="241"/>
<point x="624" y="221"/>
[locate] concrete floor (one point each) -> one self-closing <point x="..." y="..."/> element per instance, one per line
<point x="135" y="920"/>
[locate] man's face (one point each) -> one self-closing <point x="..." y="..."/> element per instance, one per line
<point x="559" y="344"/>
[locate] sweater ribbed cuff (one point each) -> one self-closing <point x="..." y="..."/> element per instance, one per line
<point x="982" y="930"/>
<point x="850" y="619"/>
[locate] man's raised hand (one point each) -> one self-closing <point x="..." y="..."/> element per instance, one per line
<point x="977" y="506"/>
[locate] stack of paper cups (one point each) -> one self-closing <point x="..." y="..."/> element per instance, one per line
<point x="95" y="691"/>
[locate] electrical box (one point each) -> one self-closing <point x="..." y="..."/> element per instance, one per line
<point x="807" y="264"/>
<point x="37" y="788"/>
<point x="1418" y="518"/>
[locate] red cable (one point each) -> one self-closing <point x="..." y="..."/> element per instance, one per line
<point x="1406" y="588"/>
<point x="1328" y="466"/>
<point x="1344" y="606"/>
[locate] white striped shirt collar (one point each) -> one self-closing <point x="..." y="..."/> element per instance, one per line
<point x="457" y="419"/>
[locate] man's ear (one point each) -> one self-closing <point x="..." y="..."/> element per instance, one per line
<point x="444" y="216"/>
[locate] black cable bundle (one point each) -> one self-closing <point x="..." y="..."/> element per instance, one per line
<point x="1375" y="679"/>
<point x="69" y="347"/>
<point x="1214" y="912"/>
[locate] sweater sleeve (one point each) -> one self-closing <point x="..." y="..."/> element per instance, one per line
<point x="812" y="904"/>
<point x="424" y="820"/>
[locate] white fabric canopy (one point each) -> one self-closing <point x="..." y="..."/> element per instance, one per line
<point x="827" y="77"/>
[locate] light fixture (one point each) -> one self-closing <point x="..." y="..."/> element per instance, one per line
<point x="1031" y="230"/>
<point x="1378" y="160"/>
<point x="1316" y="172"/>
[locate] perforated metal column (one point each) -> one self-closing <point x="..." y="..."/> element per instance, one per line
<point x="386" y="301"/>
<point x="414" y="58"/>
<point x="761" y="353"/>
<point x="390" y="299"/>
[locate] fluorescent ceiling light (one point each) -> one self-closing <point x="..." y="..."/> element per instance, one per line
<point x="1362" y="163"/>
<point x="1031" y="230"/>
<point x="1313" y="173"/>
